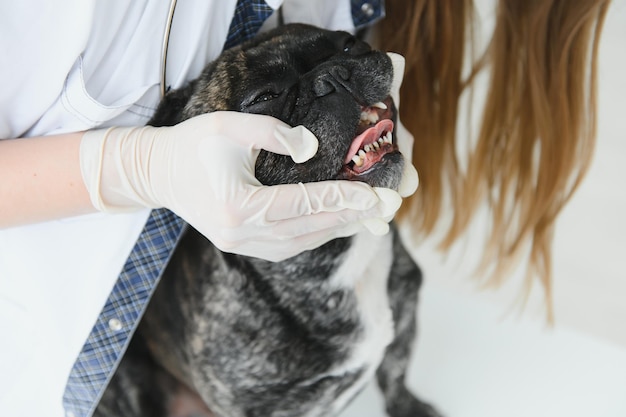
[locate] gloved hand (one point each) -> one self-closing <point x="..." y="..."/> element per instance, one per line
<point x="203" y="170"/>
<point x="410" y="179"/>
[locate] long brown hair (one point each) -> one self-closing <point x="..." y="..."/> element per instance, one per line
<point x="537" y="129"/>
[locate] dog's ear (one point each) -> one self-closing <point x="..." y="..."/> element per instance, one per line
<point x="170" y="110"/>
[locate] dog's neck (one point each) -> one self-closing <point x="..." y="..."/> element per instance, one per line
<point x="314" y="265"/>
<point x="341" y="264"/>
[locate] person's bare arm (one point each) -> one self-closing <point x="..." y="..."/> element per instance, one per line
<point x="207" y="178"/>
<point x="40" y="179"/>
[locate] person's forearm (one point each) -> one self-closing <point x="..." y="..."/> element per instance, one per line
<point x="40" y="179"/>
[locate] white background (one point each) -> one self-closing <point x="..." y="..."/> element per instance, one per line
<point x="478" y="356"/>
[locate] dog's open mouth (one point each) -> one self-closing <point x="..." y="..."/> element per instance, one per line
<point x="374" y="139"/>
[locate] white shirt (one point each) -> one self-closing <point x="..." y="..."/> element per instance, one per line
<point x="75" y="65"/>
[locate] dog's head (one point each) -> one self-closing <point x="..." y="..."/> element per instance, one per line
<point x="330" y="82"/>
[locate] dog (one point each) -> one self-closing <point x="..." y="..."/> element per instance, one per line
<point x="229" y="335"/>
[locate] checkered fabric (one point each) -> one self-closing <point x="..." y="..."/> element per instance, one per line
<point x="126" y="304"/>
<point x="118" y="319"/>
<point x="249" y="16"/>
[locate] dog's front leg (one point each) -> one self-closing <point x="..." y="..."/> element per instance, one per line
<point x="403" y="286"/>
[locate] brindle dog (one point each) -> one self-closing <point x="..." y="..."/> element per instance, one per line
<point x="240" y="336"/>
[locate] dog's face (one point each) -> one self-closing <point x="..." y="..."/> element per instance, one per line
<point x="330" y="82"/>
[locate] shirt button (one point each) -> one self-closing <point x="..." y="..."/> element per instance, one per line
<point x="115" y="325"/>
<point x="368" y="9"/>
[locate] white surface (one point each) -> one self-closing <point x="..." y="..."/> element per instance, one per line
<point x="469" y="362"/>
<point x="476" y="356"/>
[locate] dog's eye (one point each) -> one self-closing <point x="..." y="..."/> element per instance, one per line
<point x="266" y="96"/>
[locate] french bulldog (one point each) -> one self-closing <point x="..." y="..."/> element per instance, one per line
<point x="229" y="336"/>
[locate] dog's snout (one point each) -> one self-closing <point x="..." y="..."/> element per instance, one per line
<point x="340" y="72"/>
<point x="330" y="79"/>
<point x="322" y="87"/>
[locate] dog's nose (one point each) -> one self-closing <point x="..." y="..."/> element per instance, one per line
<point x="330" y="79"/>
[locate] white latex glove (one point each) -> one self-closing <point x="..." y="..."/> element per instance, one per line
<point x="404" y="138"/>
<point x="203" y="170"/>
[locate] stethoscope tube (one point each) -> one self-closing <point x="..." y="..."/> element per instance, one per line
<point x="166" y="41"/>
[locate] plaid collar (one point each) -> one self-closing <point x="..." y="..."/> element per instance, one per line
<point x="127" y="302"/>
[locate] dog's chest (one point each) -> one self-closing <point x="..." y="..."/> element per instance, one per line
<point x="366" y="272"/>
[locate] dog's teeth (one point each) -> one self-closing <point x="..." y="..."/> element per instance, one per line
<point x="362" y="153"/>
<point x="376" y="145"/>
<point x="381" y="140"/>
<point x="364" y="116"/>
<point x="367" y="148"/>
<point x="380" y="105"/>
<point x="357" y="160"/>
<point x="389" y="138"/>
<point x="372" y="117"/>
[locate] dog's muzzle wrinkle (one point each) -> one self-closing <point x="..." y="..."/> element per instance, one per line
<point x="330" y="80"/>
